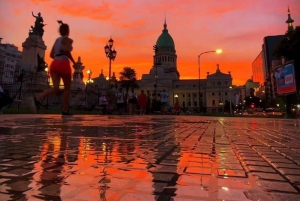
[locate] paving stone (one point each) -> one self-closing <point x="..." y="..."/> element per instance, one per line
<point x="162" y="177"/>
<point x="277" y="186"/>
<point x="247" y="158"/>
<point x="260" y="169"/>
<point x="268" y="176"/>
<point x="257" y="163"/>
<point x="286" y="197"/>
<point x="231" y="173"/>
<point x="279" y="160"/>
<point x="198" y="170"/>
<point x="287" y="171"/>
<point x="286" y="165"/>
<point x="294" y="178"/>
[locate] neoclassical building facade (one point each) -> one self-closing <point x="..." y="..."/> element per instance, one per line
<point x="164" y="75"/>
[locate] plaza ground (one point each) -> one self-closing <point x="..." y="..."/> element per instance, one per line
<point x="180" y="158"/>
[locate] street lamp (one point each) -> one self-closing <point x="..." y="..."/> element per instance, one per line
<point x="175" y="96"/>
<point x="218" y="51"/>
<point x="48" y="83"/>
<point x="230" y="99"/>
<point x="110" y="54"/>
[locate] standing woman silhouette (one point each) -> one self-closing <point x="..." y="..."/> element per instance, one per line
<point x="60" y="68"/>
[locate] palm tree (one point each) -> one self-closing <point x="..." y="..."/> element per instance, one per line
<point x="128" y="79"/>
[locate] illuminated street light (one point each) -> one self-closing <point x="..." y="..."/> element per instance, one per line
<point x="218" y="51"/>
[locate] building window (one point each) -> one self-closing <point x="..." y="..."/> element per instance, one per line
<point x="183" y="103"/>
<point x="225" y="93"/>
<point x="194" y="85"/>
<point x="213" y="83"/>
<point x="219" y="93"/>
<point x="183" y="95"/>
<point x="195" y="95"/>
<point x="213" y="102"/>
<point x="213" y="93"/>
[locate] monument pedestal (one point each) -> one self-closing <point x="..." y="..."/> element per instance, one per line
<point x="33" y="46"/>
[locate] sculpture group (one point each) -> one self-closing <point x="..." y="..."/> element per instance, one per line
<point x="38" y="28"/>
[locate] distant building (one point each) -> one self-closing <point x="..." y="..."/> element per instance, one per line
<point x="10" y="64"/>
<point x="262" y="65"/>
<point x="212" y="93"/>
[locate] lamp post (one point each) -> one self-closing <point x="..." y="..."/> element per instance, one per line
<point x="48" y="83"/>
<point x="89" y="81"/>
<point x="216" y="51"/>
<point x="230" y="99"/>
<point x="175" y="97"/>
<point x="110" y="54"/>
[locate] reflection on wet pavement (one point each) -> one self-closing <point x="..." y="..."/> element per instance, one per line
<point x="148" y="158"/>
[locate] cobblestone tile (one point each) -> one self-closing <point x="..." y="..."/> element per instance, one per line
<point x="268" y="176"/>
<point x="277" y="186"/>
<point x="260" y="169"/>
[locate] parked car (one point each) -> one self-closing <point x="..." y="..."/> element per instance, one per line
<point x="259" y="111"/>
<point x="273" y="112"/>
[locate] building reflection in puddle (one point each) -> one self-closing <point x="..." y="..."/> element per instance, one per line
<point x="153" y="159"/>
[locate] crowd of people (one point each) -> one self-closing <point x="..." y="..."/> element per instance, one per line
<point x="133" y="102"/>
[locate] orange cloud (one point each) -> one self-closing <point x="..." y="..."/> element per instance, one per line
<point x="102" y="12"/>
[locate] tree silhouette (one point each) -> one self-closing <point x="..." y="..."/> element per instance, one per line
<point x="128" y="79"/>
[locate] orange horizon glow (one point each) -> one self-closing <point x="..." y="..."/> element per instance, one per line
<point x="238" y="28"/>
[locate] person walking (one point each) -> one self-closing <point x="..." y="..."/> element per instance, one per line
<point x="120" y="100"/>
<point x="103" y="103"/>
<point x="142" y="101"/>
<point x="60" y="68"/>
<point x="164" y="101"/>
<point x="132" y="102"/>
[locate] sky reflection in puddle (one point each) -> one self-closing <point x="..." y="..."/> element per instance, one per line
<point x="96" y="158"/>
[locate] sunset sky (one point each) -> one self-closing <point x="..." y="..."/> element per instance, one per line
<point x="237" y="27"/>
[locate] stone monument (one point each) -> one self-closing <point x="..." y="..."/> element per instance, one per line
<point x="33" y="78"/>
<point x="77" y="85"/>
<point x="34" y="47"/>
<point x="77" y="82"/>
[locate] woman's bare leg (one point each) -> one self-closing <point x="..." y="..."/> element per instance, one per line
<point x="67" y="90"/>
<point x="48" y="92"/>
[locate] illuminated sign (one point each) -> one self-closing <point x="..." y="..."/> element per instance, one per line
<point x="285" y="80"/>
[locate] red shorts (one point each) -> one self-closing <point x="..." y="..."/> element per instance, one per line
<point x="61" y="67"/>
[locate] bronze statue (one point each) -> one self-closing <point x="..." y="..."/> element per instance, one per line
<point x="38" y="28"/>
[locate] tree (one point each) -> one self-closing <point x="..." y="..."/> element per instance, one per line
<point x="128" y="79"/>
<point x="289" y="48"/>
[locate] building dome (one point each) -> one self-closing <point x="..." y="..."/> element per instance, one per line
<point x="165" y="40"/>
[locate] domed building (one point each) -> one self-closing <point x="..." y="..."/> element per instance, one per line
<point x="212" y="94"/>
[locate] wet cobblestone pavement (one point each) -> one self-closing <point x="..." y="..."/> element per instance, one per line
<point x="128" y="158"/>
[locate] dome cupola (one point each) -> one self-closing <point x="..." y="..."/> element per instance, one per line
<point x="165" y="40"/>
